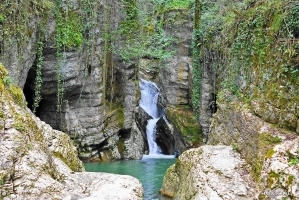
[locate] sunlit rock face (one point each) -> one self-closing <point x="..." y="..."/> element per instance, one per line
<point x="209" y="172"/>
<point x="270" y="151"/>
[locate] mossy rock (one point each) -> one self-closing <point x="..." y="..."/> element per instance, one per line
<point x="17" y="94"/>
<point x="184" y="120"/>
<point x="116" y="110"/>
<point x="266" y="142"/>
<point x="3" y="71"/>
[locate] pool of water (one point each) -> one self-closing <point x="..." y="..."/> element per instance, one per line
<point x="150" y="171"/>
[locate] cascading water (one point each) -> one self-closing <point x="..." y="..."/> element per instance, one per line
<point x="148" y="102"/>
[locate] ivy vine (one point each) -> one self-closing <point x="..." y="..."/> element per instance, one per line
<point x="38" y="78"/>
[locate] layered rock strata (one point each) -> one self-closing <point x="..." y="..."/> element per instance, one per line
<point x="38" y="162"/>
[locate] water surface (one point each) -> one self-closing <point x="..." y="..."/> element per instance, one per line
<point x="150" y="171"/>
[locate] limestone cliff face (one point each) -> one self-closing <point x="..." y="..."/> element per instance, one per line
<point x="38" y="162"/>
<point x="79" y="92"/>
<point x="249" y="68"/>
<point x="89" y="90"/>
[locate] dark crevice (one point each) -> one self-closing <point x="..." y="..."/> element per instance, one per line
<point x="125" y="133"/>
<point x="164" y="138"/>
<point x="29" y="88"/>
<point x="213" y="104"/>
<point x="89" y="70"/>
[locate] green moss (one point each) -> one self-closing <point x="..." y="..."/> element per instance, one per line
<point x="15" y="20"/>
<point x="3" y="71"/>
<point x="17" y="94"/>
<point x="2" y="115"/>
<point x="121" y="146"/>
<point x="20" y="127"/>
<point x="256" y="168"/>
<point x="264" y="150"/>
<point x="71" y="162"/>
<point x="116" y="109"/>
<point x="15" y="91"/>
<point x="269" y="139"/>
<point x="184" y="120"/>
<point x="290" y="179"/>
<point x="121" y="116"/>
<point x="272" y="179"/>
<point x="294" y="161"/>
<point x="236" y="147"/>
<point x="261" y="196"/>
<point x="270" y="153"/>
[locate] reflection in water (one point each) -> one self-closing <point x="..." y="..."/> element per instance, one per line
<point x="150" y="171"/>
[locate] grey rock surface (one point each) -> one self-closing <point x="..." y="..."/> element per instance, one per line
<point x="209" y="173"/>
<point x="38" y="162"/>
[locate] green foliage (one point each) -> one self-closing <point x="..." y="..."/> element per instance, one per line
<point x="151" y="47"/>
<point x="59" y="79"/>
<point x="142" y="34"/>
<point x="2" y="115"/>
<point x="196" y="75"/>
<point x="184" y="120"/>
<point x="173" y="4"/>
<point x="254" y="56"/>
<point x="2" y="18"/>
<point x="68" y="32"/>
<point x="38" y="78"/>
<point x="236" y="147"/>
<point x="294" y="161"/>
<point x="15" y="22"/>
<point x="292" y="20"/>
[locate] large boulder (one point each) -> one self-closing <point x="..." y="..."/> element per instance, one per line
<point x="271" y="152"/>
<point x="209" y="173"/>
<point x="279" y="175"/>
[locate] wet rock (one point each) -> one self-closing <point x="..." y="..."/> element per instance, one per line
<point x="164" y="136"/>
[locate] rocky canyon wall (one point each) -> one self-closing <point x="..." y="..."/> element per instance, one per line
<point x="38" y="162"/>
<point x="70" y="59"/>
<point x="249" y="64"/>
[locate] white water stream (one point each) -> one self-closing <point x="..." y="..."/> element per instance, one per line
<point x="148" y="102"/>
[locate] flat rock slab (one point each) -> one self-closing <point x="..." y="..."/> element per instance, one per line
<point x="97" y="186"/>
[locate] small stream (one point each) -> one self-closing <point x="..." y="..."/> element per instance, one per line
<point x="149" y="171"/>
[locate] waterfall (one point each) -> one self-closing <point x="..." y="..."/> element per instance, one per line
<point x="148" y="102"/>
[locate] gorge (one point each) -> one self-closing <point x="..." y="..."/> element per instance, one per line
<point x="213" y="80"/>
